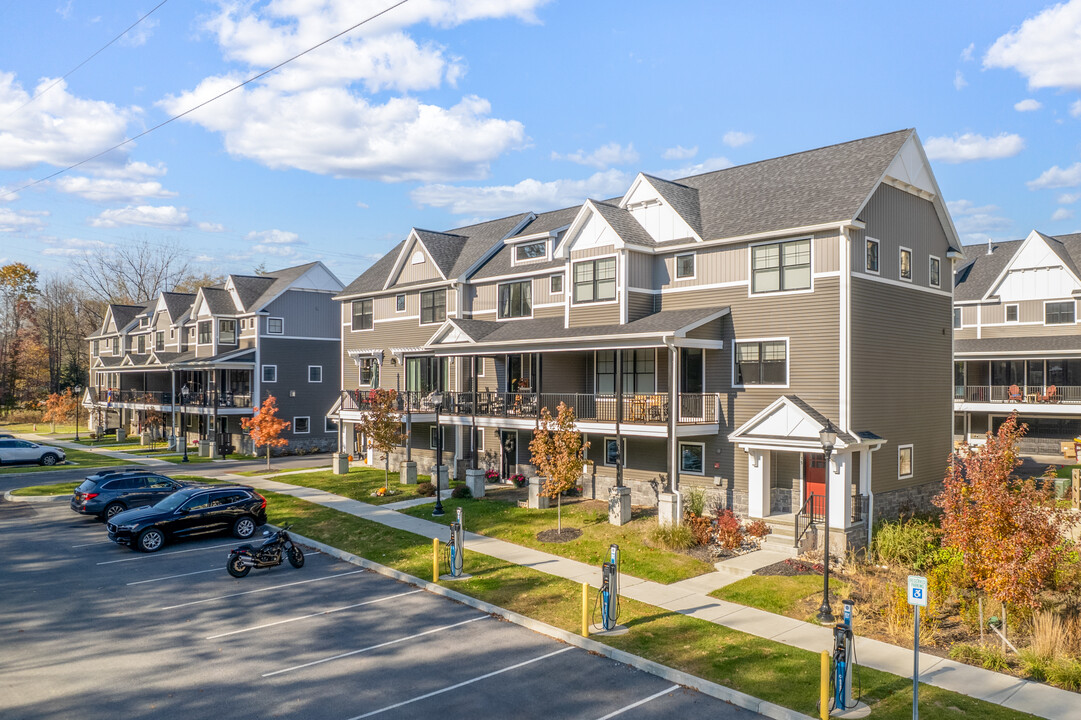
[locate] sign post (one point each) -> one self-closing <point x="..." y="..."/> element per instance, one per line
<point x="1076" y="477"/>
<point x="917" y="598"/>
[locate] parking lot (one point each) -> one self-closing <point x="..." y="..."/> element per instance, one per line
<point x="94" y="630"/>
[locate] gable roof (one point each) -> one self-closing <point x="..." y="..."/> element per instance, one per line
<point x="787" y="422"/>
<point x="176" y="304"/>
<point x="123" y="315"/>
<point x="249" y="288"/>
<point x="218" y="301"/>
<point x="975" y="279"/>
<point x="683" y="199"/>
<point x="624" y="224"/>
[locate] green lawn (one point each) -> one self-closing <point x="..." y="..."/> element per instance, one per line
<point x="359" y="484"/>
<point x="503" y="519"/>
<point x="75" y="458"/>
<point x="109" y="442"/>
<point x="763" y="668"/>
<point x="193" y="457"/>
<point x="775" y="593"/>
<point x="57" y="489"/>
<point x="44" y="428"/>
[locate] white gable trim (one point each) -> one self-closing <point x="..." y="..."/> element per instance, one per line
<point x="1033" y="237"/>
<point x="643" y="178"/>
<point x="584" y="215"/>
<point x="400" y="262"/>
<point x="449" y="333"/>
<point x="781" y="424"/>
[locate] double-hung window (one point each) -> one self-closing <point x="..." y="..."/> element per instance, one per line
<point x="516" y="299"/>
<point x="782" y="266"/>
<point x="205" y="329"/>
<point x="227" y="332"/>
<point x="934" y="271"/>
<point x="762" y="362"/>
<point x="369" y="372"/>
<point x="433" y="306"/>
<point x="872" y="256"/>
<point x="363" y="317"/>
<point x="595" y="280"/>
<point x="142" y="344"/>
<point x="116" y="346"/>
<point x="639" y="371"/>
<point x="159" y="340"/>
<point x="1058" y="313"/>
<point x="275" y="326"/>
<point x="906" y="264"/>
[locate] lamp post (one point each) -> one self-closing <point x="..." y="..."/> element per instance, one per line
<point x="438" y="457"/>
<point x="184" y="391"/>
<point x="827" y="436"/>
<point x="78" y="394"/>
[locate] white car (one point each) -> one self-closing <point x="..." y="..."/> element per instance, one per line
<point x="24" y="451"/>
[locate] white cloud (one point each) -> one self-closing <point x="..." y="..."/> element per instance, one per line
<point x="603" y="157"/>
<point x="57" y="128"/>
<point x="1068" y="198"/>
<point x="6" y="194"/>
<point x="959" y="81"/>
<point x="970" y="146"/>
<point x="139" y="34"/>
<point x="966" y="54"/>
<point x="279" y="243"/>
<point x="1062" y="214"/>
<point x="316" y="113"/>
<point x="528" y="194"/>
<point x="12" y="220"/>
<point x="707" y="165"/>
<point x="1046" y="49"/>
<point x="131" y="170"/>
<point x="361" y="204"/>
<point x="109" y="190"/>
<point x="735" y="138"/>
<point x="210" y="227"/>
<point x="161" y="216"/>
<point x="71" y="247"/>
<point x="1027" y="105"/>
<point x="1075" y="108"/>
<point x="975" y="221"/>
<point x="680" y="153"/>
<point x="1056" y="177"/>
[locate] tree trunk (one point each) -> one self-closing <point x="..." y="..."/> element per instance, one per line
<point x="559" y="513"/>
<point x="268" y="457"/>
<point x="386" y="471"/>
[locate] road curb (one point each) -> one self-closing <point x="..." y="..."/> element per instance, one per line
<point x="734" y="697"/>
<point x="8" y="497"/>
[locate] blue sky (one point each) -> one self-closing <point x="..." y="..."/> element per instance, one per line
<point x="443" y="112"/>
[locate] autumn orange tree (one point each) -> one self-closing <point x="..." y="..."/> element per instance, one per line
<point x="1008" y="529"/>
<point x="266" y="427"/>
<point x="59" y="407"/>
<point x="381" y="425"/>
<point x="558" y="454"/>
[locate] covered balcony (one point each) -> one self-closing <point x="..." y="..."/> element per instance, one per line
<point x="1044" y="385"/>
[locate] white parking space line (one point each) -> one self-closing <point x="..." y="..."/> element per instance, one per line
<point x="259" y="590"/>
<point x="643" y="701"/>
<point x="145" y="556"/>
<point x="99" y="542"/>
<point x="305" y="617"/>
<point x="375" y="647"/>
<point x="170" y="577"/>
<point x="462" y="684"/>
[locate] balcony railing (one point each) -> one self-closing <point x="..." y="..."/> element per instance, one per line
<point x="1026" y="394"/>
<point x="694" y="408"/>
<point x="163" y="397"/>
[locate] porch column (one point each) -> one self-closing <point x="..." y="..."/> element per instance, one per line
<point x="172" y="411"/>
<point x="673" y="444"/>
<point x="758" y="481"/>
<point x="619" y="417"/>
<point x="839" y="487"/>
<point x="473" y="413"/>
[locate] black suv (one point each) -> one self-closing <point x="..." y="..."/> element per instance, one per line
<point x="112" y="491"/>
<point x="190" y="511"/>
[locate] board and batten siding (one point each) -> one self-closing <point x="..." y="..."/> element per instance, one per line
<point x="827" y="253"/>
<point x="304" y="314"/>
<point x="294" y="394"/>
<point x="639" y="270"/>
<point x="899" y="219"/>
<point x="592" y="252"/>
<point x="903" y="335"/>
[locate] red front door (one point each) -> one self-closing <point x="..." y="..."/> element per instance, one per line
<point x="814" y="476"/>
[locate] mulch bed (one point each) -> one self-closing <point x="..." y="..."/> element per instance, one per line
<point x="559" y="536"/>
<point x="790" y="567"/>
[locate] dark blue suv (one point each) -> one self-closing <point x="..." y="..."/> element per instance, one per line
<point x="110" y="492"/>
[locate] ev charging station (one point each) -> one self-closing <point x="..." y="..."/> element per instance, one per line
<point x="842" y="703"/>
<point x="454" y="552"/>
<point x="608" y="598"/>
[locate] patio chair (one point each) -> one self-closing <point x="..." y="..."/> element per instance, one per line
<point x="1050" y="395"/>
<point x="1015" y="394"/>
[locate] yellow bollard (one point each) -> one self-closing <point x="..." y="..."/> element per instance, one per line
<point x="435" y="560"/>
<point x="585" y="609"/>
<point x="824" y="687"/>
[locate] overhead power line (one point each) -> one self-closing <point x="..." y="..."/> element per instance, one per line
<point x="190" y="110"/>
<point x="84" y="62"/>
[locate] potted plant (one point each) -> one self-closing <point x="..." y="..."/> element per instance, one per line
<point x="519" y="480"/>
<point x="491" y="475"/>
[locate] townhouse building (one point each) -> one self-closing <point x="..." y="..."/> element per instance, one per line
<point x="1017" y="342"/>
<point x="209" y="358"/>
<point x="704" y="330"/>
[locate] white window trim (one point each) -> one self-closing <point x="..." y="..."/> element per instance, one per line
<point x="604" y="451"/>
<point x="516" y="317"/>
<point x="911" y="268"/>
<point x="960" y="321"/>
<point x="931" y="259"/>
<point x="417" y="258"/>
<point x="320" y="373"/>
<point x="595" y="303"/>
<point x="480" y="366"/>
<point x="446" y="304"/>
<point x="431" y="431"/>
<point x="326" y="425"/>
<point x="562" y="286"/>
<point x="911" y="464"/>
<point x="1005" y="313"/>
<point x="405" y="303"/>
<point x="360" y="373"/>
<point x="694" y="266"/>
<point x="878" y="243"/>
<point x="262" y="374"/>
<point x="478" y="438"/>
<point x="514" y="261"/>
<point x="271" y="332"/>
<point x="1063" y="300"/>
<point x="787" y="361"/>
<point x="692" y="472"/>
<point x="776" y="293"/>
<point x="302" y="432"/>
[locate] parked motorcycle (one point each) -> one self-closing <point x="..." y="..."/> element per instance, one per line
<point x="277" y="547"/>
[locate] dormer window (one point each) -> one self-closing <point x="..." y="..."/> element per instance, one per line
<point x="531" y="251"/>
<point x="116" y="346"/>
<point x="205" y="329"/>
<point x="227" y="332"/>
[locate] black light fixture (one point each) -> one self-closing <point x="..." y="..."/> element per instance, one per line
<point x="828" y="437"/>
<point x="184" y="391"/>
<point x="438" y="456"/>
<point x="78" y="393"/>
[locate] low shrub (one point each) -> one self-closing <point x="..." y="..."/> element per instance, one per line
<point x="757" y="528"/>
<point x="1035" y="665"/>
<point x="1065" y="673"/>
<point x="729" y="530"/>
<point x="426" y="489"/>
<point x="994" y="658"/>
<point x="908" y="543"/>
<point x="18" y="417"/>
<point x="963" y="652"/>
<point x="694" y="502"/>
<point x="672" y="537"/>
<point x="701" y="528"/>
<point x="461" y="492"/>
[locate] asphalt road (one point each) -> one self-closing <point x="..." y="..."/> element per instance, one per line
<point x="93" y="630"/>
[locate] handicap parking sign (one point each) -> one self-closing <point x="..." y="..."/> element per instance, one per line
<point x="917" y="590"/>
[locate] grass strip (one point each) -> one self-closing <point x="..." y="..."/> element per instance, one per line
<point x="358" y="484"/>
<point x="75" y="459"/>
<point x="38" y="490"/>
<point x="494" y="516"/>
<point x="778" y="594"/>
<point x="778" y="673"/>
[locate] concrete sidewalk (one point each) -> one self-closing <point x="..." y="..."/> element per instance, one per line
<point x="690" y="597"/>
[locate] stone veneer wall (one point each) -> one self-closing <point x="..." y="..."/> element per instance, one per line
<point x="917" y="499"/>
<point x="783" y="500"/>
<point x="643" y="492"/>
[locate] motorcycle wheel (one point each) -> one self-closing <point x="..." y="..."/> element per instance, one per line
<point x="236" y="567"/>
<point x="296" y="557"/>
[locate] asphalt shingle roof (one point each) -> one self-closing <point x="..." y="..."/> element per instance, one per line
<point x="176" y="304"/>
<point x="628" y="229"/>
<point x="219" y="301"/>
<point x="1027" y="344"/>
<point x="249" y="288"/>
<point x="124" y="314"/>
<point x="973" y="280"/>
<point x="682" y="198"/>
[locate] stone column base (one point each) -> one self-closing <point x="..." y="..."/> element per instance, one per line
<point x="619" y="505"/>
<point x="667" y="509"/>
<point x="407" y="472"/>
<point x="440" y="472"/>
<point x="205" y="448"/>
<point x="537" y="501"/>
<point x="474" y="480"/>
<point x="339" y="463"/>
<point x="121" y="434"/>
